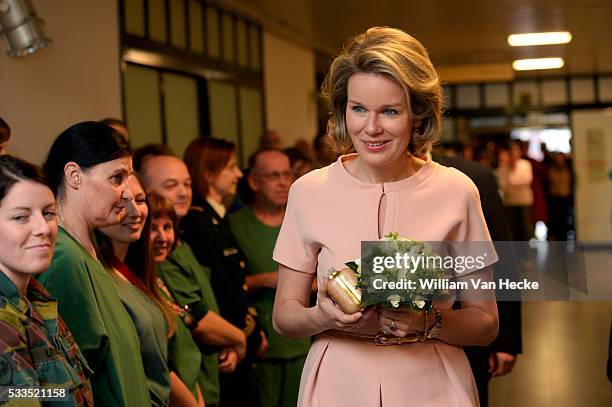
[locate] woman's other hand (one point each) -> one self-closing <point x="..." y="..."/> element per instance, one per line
<point x="400" y="322"/>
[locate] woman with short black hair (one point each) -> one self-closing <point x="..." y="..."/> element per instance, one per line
<point x="88" y="166"/>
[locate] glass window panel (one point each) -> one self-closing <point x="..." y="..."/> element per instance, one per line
<point x="142" y="105"/>
<point x="212" y="32"/>
<point x="251" y="119"/>
<point x="468" y="97"/>
<point x="177" y="24"/>
<point x="181" y="107"/>
<point x="157" y="20"/>
<point x="241" y="37"/>
<point x="582" y="90"/>
<point x="255" y="43"/>
<point x="228" y="38"/>
<point x="223" y="111"/>
<point x="605" y="90"/>
<point x="133" y="10"/>
<point x="554" y="92"/>
<point x="497" y="95"/>
<point x="525" y="94"/>
<point x="196" y="34"/>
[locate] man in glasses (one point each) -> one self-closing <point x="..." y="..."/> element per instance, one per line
<point x="256" y="227"/>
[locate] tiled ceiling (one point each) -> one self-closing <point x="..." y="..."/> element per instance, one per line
<point x="456" y="32"/>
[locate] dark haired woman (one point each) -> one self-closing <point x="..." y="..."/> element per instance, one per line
<point x="215" y="174"/>
<point x="36" y="347"/>
<point x="126" y="251"/>
<point x="88" y="167"/>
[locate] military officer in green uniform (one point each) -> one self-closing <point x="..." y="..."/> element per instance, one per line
<point x="256" y="227"/>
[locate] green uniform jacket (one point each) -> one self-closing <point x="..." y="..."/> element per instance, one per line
<point x="104" y="331"/>
<point x="257" y="242"/>
<point x="151" y="326"/>
<point x="36" y="347"/>
<point x="189" y="283"/>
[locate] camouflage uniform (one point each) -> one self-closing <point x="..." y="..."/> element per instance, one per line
<point x="36" y="347"/>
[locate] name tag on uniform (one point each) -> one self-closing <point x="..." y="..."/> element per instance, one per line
<point x="230" y="251"/>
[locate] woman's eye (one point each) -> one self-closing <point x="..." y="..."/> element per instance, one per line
<point x="117" y="178"/>
<point x="20" y="218"/>
<point x="390" y="112"/>
<point x="50" y="215"/>
<point x="358" y="109"/>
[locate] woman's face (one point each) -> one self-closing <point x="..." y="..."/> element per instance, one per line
<point x="378" y="118"/>
<point x="29" y="229"/>
<point x="162" y="237"/>
<point x="130" y="227"/>
<point x="225" y="182"/>
<point x="104" y="192"/>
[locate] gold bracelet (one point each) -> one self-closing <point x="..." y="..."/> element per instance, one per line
<point x="422" y="335"/>
<point x="433" y="331"/>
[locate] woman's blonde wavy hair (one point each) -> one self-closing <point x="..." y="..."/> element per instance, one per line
<point x="401" y="57"/>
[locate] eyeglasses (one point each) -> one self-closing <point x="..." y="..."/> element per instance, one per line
<point x="275" y="176"/>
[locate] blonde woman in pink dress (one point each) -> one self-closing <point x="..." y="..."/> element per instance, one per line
<point x="386" y="104"/>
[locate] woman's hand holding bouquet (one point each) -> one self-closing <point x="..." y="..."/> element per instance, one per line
<point x="401" y="311"/>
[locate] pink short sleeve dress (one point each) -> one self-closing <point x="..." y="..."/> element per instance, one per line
<point x="328" y="214"/>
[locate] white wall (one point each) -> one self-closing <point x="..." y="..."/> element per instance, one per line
<point x="290" y="89"/>
<point x="75" y="79"/>
<point x="592" y="142"/>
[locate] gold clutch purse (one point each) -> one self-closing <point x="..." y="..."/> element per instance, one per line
<point x="342" y="288"/>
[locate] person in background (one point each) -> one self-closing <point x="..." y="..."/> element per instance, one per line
<point x="88" y="167"/>
<point x="222" y="344"/>
<point x="36" y="347"/>
<point x="256" y="227"/>
<point x="125" y="251"/>
<point x="499" y="357"/>
<point x="5" y="135"/>
<point x="539" y="186"/>
<point x="324" y="154"/>
<point x="118" y="125"/>
<point x="142" y="154"/>
<point x="514" y="176"/>
<point x="184" y="356"/>
<point x="215" y="174"/>
<point x="300" y="163"/>
<point x="270" y="139"/>
<point x="304" y="147"/>
<point x="560" y="191"/>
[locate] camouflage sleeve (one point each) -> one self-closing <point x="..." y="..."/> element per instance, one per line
<point x="16" y="365"/>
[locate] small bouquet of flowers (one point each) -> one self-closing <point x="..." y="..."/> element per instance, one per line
<point x="353" y="290"/>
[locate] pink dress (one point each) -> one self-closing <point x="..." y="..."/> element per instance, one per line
<point x="328" y="214"/>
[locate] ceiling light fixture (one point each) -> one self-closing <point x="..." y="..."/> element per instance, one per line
<point x="537" y="63"/>
<point x="20" y="28"/>
<point x="548" y="38"/>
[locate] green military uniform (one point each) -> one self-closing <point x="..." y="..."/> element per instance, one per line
<point x="189" y="283"/>
<point x="184" y="357"/>
<point x="278" y="375"/>
<point x="151" y="326"/>
<point x="36" y="347"/>
<point x="89" y="304"/>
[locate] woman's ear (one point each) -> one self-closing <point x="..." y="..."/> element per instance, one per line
<point x="73" y="174"/>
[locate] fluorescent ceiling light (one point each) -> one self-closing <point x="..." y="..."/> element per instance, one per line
<point x="538" y="63"/>
<point x="522" y="40"/>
